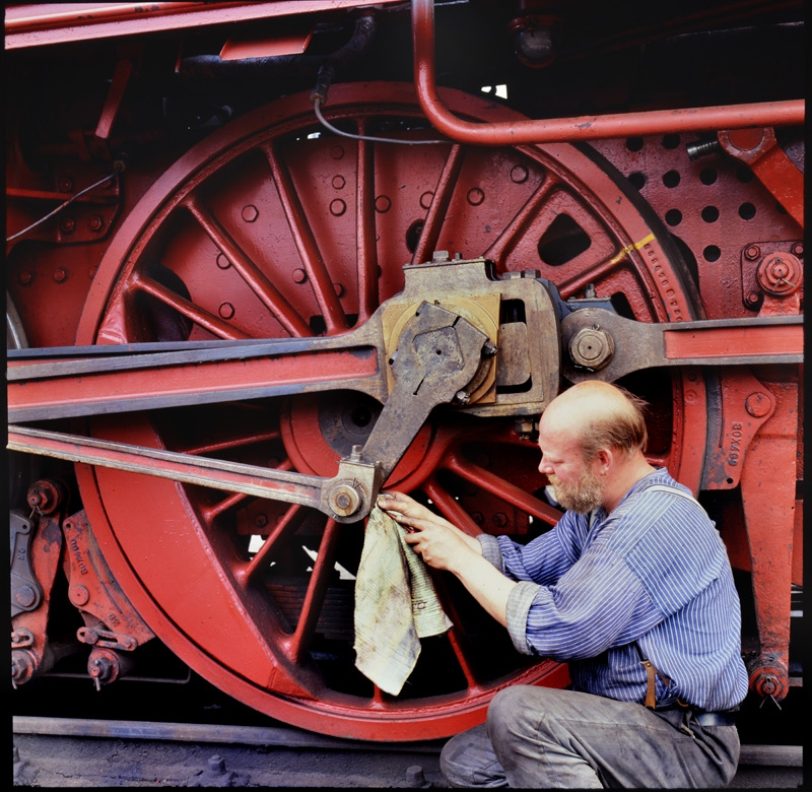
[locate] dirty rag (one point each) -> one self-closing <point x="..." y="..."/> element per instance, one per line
<point x="396" y="605"/>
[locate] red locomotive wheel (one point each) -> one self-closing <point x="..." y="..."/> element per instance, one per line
<point x="273" y="227"/>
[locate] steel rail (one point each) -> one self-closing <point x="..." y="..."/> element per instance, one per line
<point x="289" y="737"/>
<point x="692" y="119"/>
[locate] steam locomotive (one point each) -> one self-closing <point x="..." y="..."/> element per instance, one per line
<point x="263" y="259"/>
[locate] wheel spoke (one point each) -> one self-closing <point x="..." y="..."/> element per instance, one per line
<point x="204" y="319"/>
<point x="513" y="231"/>
<point x="260" y="560"/>
<point x="276" y="303"/>
<point x="439" y="205"/>
<point x="450" y="508"/>
<point x="334" y="317"/>
<point x="314" y="596"/>
<point x="212" y="447"/>
<point x="367" y="266"/>
<point x="212" y="512"/>
<point x="501" y="487"/>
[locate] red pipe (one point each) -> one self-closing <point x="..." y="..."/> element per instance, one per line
<point x="693" y="119"/>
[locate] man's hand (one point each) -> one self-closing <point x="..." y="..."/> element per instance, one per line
<point x="440" y="543"/>
<point x="444" y="546"/>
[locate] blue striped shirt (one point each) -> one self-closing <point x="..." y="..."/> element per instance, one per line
<point x="653" y="574"/>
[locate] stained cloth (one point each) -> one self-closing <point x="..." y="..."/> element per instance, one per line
<point x="396" y="605"/>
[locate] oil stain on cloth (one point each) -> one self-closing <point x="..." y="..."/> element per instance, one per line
<point x="395" y="605"/>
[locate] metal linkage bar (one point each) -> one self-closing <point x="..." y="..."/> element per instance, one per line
<point x="603" y="345"/>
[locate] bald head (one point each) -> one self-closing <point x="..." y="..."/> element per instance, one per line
<point x="598" y="415"/>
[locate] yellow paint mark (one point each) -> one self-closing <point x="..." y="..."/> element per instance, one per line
<point x="624" y="251"/>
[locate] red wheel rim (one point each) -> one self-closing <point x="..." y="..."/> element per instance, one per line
<point x="276" y="637"/>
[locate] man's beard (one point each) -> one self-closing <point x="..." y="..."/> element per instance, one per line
<point x="582" y="497"/>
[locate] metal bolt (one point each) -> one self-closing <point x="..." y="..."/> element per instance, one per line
<point x="337" y="207"/>
<point x="223" y="261"/>
<point x="95" y="223"/>
<point x="261" y="520"/>
<point x="752" y="252"/>
<point x="338" y="182"/>
<point x="415" y="777"/>
<point x="344" y="500"/>
<point x="60" y="274"/>
<point x="383" y="203"/>
<point x="226" y="310"/>
<point x="25" y="277"/>
<point x="500" y="519"/>
<point x="757" y="404"/>
<point x="250" y="213"/>
<point x="697" y="150"/>
<point x="592" y="348"/>
<point x="461" y="397"/>
<point x="779" y="274"/>
<point x="299" y="275"/>
<point x="440" y="256"/>
<point x="752" y="299"/>
<point x="339" y="289"/>
<point x="217" y="764"/>
<point x="798" y="249"/>
<point x="68" y="225"/>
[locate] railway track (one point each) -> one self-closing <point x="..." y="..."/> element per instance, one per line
<point x="92" y="752"/>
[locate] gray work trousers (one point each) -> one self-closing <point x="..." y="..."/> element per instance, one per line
<point x="546" y="738"/>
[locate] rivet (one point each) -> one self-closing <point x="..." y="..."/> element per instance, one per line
<point x="757" y="404"/>
<point x="518" y="174"/>
<point x="25" y="277"/>
<point x="383" y="204"/>
<point x="79" y="595"/>
<point x="339" y="289"/>
<point x="223" y="261"/>
<point x="426" y="199"/>
<point x="337" y="207"/>
<point x="60" y="274"/>
<point x="95" y="223"/>
<point x="25" y="596"/>
<point x="339" y="182"/>
<point x="299" y="275"/>
<point x="250" y="213"/>
<point x="337" y="152"/>
<point x="475" y="196"/>
<point x="261" y="520"/>
<point x="226" y="310"/>
<point x="68" y="225"/>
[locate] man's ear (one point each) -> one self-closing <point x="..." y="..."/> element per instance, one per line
<point x="605" y="457"/>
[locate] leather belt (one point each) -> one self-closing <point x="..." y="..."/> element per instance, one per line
<point x="714" y="718"/>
